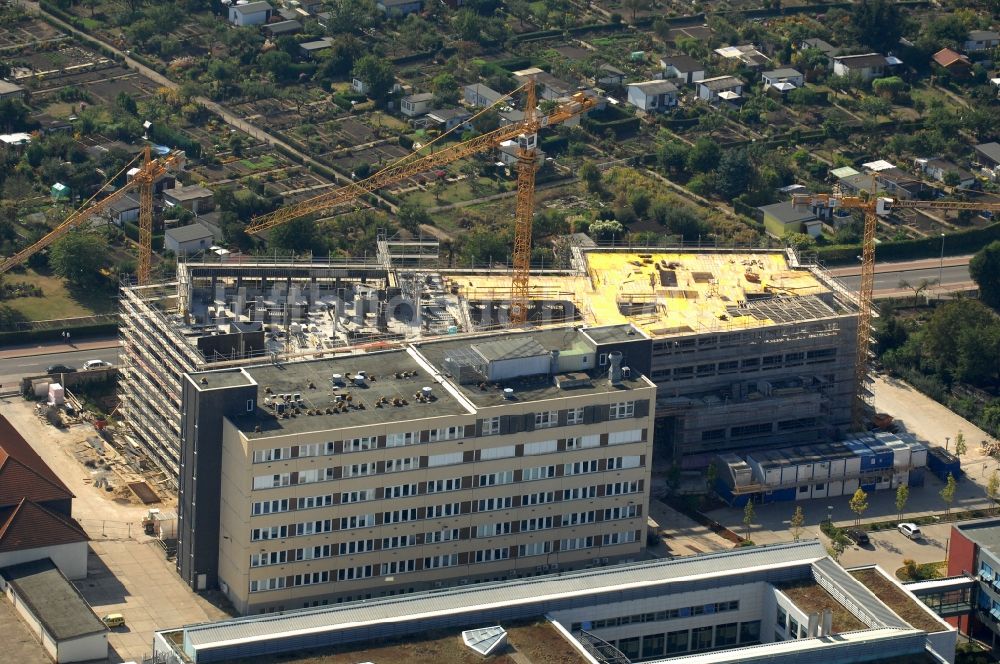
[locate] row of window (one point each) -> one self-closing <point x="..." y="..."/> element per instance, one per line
<point x="489" y="427"/>
<point x="749" y="364"/>
<point x="370" y="468"/>
<point x="699" y="639"/>
<point x="660" y="616"/>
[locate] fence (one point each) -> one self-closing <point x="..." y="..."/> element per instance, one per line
<point x="107" y="529"/>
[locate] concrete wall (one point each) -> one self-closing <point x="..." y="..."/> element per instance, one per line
<point x="71" y="559"/>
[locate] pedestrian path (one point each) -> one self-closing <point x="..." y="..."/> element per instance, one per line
<point x="52" y="347"/>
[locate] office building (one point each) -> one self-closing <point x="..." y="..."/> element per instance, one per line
<point x="442" y="463"/>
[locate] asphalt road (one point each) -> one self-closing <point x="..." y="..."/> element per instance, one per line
<point x="889" y="281"/>
<point x="12" y="369"/>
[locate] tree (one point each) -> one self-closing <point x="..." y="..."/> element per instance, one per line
<point x="985" y="270"/>
<point x="445" y="89"/>
<point x="607" y="230"/>
<point x="902" y="495"/>
<point x="961" y="447"/>
<point x="748" y="517"/>
<point x="635" y="6"/>
<point x="917" y="289"/>
<point x="734" y="174"/>
<point x="948" y="492"/>
<point x="888" y="87"/>
<point x="299" y="236"/>
<point x="878" y="24"/>
<point x="78" y="258"/>
<point x="838" y="544"/>
<point x="412" y="215"/>
<point x="704" y="156"/>
<point x="590" y="175"/>
<point x="859" y="504"/>
<point x="993" y="488"/>
<point x="875" y="106"/>
<point x="797" y="522"/>
<point x="376" y="73"/>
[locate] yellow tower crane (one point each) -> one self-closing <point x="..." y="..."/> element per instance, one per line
<point x="526" y="134"/>
<point x="150" y="171"/>
<point x="873" y="207"/>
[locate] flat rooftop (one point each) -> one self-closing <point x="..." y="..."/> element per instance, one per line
<point x="527" y="643"/>
<point x="813" y="598"/>
<point x="672" y="293"/>
<point x="984" y="533"/>
<point x="391" y="378"/>
<point x="527" y="388"/>
<point x="913" y="611"/>
<point x="53" y="599"/>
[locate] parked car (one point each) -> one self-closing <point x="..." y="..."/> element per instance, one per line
<point x="59" y="369"/>
<point x="858" y="536"/>
<point x="96" y="364"/>
<point x="114" y="620"/>
<point x="911" y="530"/>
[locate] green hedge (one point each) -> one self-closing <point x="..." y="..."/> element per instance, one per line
<point x="80" y="332"/>
<point x="513" y="64"/>
<point x="132" y="231"/>
<point x="535" y="36"/>
<point x="963" y="242"/>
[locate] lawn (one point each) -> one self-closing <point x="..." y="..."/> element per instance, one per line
<point x="58" y="301"/>
<point x="264" y="162"/>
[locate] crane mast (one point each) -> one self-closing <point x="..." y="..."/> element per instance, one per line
<point x="873" y="206"/>
<point x="524" y="212"/>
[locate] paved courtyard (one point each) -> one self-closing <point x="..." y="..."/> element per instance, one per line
<point x="19" y="644"/>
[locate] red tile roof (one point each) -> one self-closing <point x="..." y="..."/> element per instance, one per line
<point x="23" y="474"/>
<point x="947" y="57"/>
<point x="31" y="526"/>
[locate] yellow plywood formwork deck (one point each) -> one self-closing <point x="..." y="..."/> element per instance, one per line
<point x="664" y="293"/>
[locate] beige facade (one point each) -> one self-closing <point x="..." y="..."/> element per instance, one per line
<point x="409" y="503"/>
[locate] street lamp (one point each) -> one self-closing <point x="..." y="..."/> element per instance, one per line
<point x="947" y="439"/>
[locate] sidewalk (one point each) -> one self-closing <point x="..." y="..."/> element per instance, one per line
<point x="53" y="347"/>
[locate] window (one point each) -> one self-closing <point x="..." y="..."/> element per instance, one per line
<point x="359" y="470"/>
<point x="444" y="459"/>
<point x="623" y="437"/>
<point x="357" y="496"/>
<point x="401" y="491"/>
<point x="652" y="646"/>
<point x="272" y="481"/>
<point x="439" y="486"/>
<point x="274" y="532"/>
<point x="751" y="363"/>
<point x="619" y="463"/>
<point x="446" y="433"/>
<point x="400" y="465"/>
<point x="311" y="578"/>
<point x="353" y="573"/>
<point x="270" y="506"/>
<point x="490" y="453"/>
<point x="313" y="527"/>
<point x="438" y="536"/>
<point x="539" y="523"/>
<point x="310" y="502"/>
<point x="629" y="647"/>
<point x="713" y="434"/>
<point x="725" y="635"/>
<point x="490" y="504"/>
<point x="539" y="498"/>
<point x="359" y="546"/>
<point x="493" y="529"/>
<point x="794" y="358"/>
<point x="490" y="555"/>
<point x="781" y="618"/>
<point x="622" y="410"/>
<point x="728" y="367"/>
<point x="750" y="430"/>
<point x="398" y="567"/>
<point x="359" y="521"/>
<point x="360" y="444"/>
<point x="610" y="539"/>
<point x="576" y="543"/>
<point x="546" y="419"/>
<point x="544" y="447"/>
<point x="538" y="473"/>
<point x="448" y="509"/>
<point x="575" y="518"/>
<point x="701" y="638"/>
<point x="580" y="467"/>
<point x="493" y="479"/>
<point x="268" y="558"/>
<point x="616" y="513"/>
<point x="399" y="516"/>
<point x="580" y="493"/>
<point x="574" y="416"/>
<point x="400" y="439"/>
<point x="677" y="641"/>
<point x="821" y="355"/>
<point x="250" y="404"/>
<point x="399" y="541"/>
<point x="491" y="426"/>
<point x="750" y="632"/>
<point x="533" y="549"/>
<point x="311" y="450"/>
<point x="602" y="359"/>
<point x="314" y="552"/>
<point x="264" y="585"/>
<point x="441" y="561"/>
<point x="275" y="454"/>
<point x="619" y="488"/>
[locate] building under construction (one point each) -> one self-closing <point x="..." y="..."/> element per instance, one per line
<point x="748" y="348"/>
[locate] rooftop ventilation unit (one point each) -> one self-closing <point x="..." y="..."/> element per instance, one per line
<point x="508" y="393"/>
<point x="426" y="392"/>
<point x="615" y="372"/>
